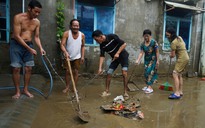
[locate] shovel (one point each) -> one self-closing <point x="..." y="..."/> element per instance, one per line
<point x="84" y="116"/>
<point x="132" y="86"/>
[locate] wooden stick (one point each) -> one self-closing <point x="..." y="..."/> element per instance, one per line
<point x="73" y="82"/>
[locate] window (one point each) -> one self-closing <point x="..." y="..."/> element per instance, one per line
<point x="4" y="21"/>
<point x="86" y="17"/>
<point x="92" y="17"/>
<point x="179" y="19"/>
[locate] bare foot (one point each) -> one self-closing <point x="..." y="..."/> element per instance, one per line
<point x="126" y="96"/>
<point x="27" y="93"/>
<point x="16" y="96"/>
<point x="65" y="90"/>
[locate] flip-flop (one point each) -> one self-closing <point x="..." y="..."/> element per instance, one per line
<point x="144" y="88"/>
<point x="148" y="91"/>
<point x="173" y="96"/>
<point x="180" y="94"/>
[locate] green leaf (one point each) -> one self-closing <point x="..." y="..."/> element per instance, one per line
<point x="60" y="19"/>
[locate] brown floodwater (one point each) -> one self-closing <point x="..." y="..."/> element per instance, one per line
<point x="59" y="112"/>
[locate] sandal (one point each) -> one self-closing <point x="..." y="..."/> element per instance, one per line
<point x="181" y="94"/>
<point x="173" y="96"/>
<point x="104" y="94"/>
<point x="148" y="91"/>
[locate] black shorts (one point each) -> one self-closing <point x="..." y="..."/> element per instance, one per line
<point x="123" y="60"/>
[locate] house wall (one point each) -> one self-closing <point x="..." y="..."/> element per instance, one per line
<point x="4" y="47"/>
<point x="47" y="33"/>
<point x="194" y="53"/>
<point x="202" y="55"/>
<point x="132" y="17"/>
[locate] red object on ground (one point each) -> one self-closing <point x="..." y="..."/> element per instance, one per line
<point x="203" y="78"/>
<point x="121" y="107"/>
<point x="167" y="88"/>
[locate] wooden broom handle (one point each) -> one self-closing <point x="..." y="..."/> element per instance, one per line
<point x="72" y="79"/>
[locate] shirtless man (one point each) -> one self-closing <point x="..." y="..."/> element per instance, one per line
<point x="73" y="48"/>
<point x="25" y="27"/>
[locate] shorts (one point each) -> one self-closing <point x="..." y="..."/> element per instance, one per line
<point x="123" y="60"/>
<point x="19" y="55"/>
<point x="75" y="64"/>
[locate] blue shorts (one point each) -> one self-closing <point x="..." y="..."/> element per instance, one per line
<point x="123" y="60"/>
<point x="19" y="55"/>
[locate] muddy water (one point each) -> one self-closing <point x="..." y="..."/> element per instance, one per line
<point x="58" y="112"/>
<point x="17" y="113"/>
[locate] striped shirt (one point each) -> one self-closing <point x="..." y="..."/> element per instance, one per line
<point x="111" y="45"/>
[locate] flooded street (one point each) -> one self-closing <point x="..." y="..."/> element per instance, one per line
<point x="59" y="112"/>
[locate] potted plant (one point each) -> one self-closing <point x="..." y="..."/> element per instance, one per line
<point x="60" y="20"/>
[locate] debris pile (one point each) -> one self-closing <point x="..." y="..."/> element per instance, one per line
<point x="128" y="109"/>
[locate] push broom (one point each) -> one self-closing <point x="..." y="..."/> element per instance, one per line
<point x="167" y="86"/>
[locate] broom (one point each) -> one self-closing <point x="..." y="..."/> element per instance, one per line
<point x="167" y="86"/>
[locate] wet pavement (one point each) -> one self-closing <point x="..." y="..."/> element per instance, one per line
<point x="58" y="111"/>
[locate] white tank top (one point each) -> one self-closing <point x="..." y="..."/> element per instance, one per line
<point x="73" y="46"/>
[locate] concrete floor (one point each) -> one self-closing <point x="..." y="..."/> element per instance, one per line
<point x="58" y="112"/>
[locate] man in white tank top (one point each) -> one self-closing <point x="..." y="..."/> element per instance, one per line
<point x="73" y="48"/>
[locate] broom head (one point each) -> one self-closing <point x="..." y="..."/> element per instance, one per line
<point x="166" y="86"/>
